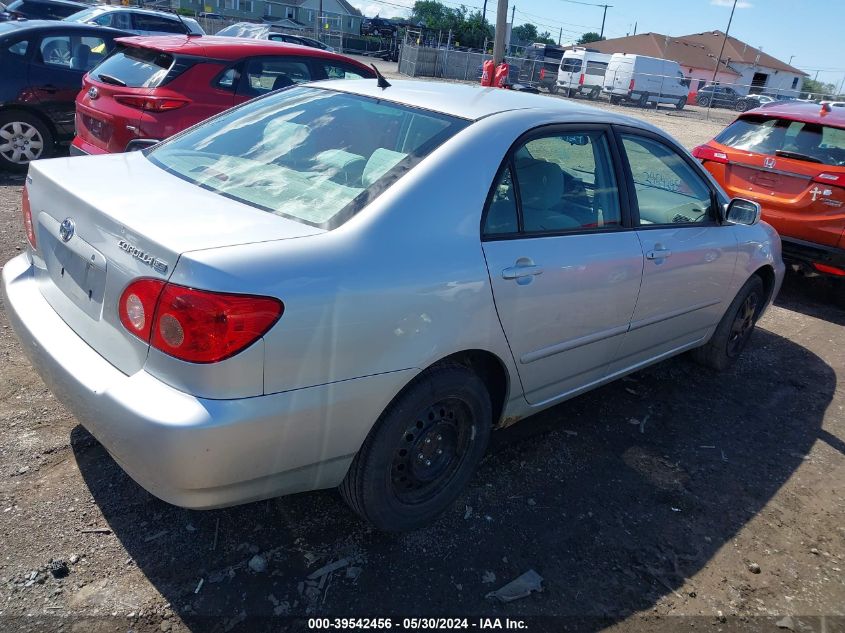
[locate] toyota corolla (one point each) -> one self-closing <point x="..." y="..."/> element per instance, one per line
<point x="351" y="284"/>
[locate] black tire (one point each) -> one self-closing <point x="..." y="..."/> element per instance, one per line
<point x="553" y="88"/>
<point x="390" y="482"/>
<point x="594" y="94"/>
<point x="741" y="105"/>
<point x="681" y="103"/>
<point x="735" y="329"/>
<point x="643" y="102"/>
<point x="614" y="100"/>
<point x="19" y="132"/>
<point x="703" y="101"/>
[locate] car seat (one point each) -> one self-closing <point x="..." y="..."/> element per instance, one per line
<point x="541" y="188"/>
<point x="81" y="55"/>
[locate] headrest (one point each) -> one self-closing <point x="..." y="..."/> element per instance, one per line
<point x="282" y="81"/>
<point x="540" y="183"/>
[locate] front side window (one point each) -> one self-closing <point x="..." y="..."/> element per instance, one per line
<point x="809" y="142"/>
<point x="341" y="71"/>
<point x="311" y="155"/>
<point x="264" y="75"/>
<point x="667" y="188"/>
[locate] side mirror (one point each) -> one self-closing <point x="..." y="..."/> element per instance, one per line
<point x="742" y="211"/>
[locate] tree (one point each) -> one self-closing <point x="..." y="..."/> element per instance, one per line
<point x="812" y="86"/>
<point x="524" y="33"/>
<point x="592" y="36"/>
<point x="545" y="38"/>
<point x="467" y="28"/>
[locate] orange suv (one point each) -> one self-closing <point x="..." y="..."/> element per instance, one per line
<point x="790" y="158"/>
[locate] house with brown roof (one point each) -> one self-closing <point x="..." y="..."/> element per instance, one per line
<point x="747" y="68"/>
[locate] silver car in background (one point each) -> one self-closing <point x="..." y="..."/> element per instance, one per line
<point x="343" y="284"/>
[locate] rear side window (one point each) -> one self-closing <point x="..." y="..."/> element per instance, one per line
<point x="135" y="68"/>
<point x="334" y="70"/>
<point x="19" y="48"/>
<point x="155" y="23"/>
<point x="791" y="139"/>
<point x="596" y="68"/>
<point x="263" y="75"/>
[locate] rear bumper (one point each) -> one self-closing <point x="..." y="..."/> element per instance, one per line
<point x="803" y="255"/>
<point x="84" y="148"/>
<point x="189" y="451"/>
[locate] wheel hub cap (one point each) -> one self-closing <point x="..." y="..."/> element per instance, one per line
<point x="20" y="142"/>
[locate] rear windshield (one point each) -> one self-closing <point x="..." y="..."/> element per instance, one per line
<point x="571" y="65"/>
<point x="134" y="67"/>
<point x="311" y="155"/>
<point x="791" y="139"/>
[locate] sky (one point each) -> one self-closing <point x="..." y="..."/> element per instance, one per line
<point x="809" y="30"/>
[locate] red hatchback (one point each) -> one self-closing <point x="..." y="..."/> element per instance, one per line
<point x="153" y="87"/>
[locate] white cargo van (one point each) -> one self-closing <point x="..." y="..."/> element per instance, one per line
<point x="645" y="80"/>
<point x="582" y="72"/>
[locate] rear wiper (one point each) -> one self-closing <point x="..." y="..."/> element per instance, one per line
<point x="797" y="156"/>
<point x="111" y="80"/>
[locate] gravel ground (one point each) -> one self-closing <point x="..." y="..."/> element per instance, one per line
<point x="672" y="499"/>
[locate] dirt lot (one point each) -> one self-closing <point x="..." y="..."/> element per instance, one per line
<point x="675" y="499"/>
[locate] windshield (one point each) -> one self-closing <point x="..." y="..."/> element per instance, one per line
<point x="134" y="67"/>
<point x="312" y="155"/>
<point x="84" y="16"/>
<point x="791" y="139"/>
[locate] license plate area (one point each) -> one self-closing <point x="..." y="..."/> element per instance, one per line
<point x="79" y="271"/>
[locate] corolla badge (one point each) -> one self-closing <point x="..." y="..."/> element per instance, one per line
<point x="769" y="162"/>
<point x="158" y="265"/>
<point x="66" y="229"/>
<point x="93" y="93"/>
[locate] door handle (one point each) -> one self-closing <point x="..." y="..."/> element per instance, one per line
<point x="49" y="89"/>
<point x="519" y="272"/>
<point x="658" y="254"/>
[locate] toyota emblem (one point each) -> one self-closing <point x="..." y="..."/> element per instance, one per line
<point x="67" y="229"/>
<point x="93" y="93"/>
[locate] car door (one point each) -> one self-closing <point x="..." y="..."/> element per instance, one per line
<point x="564" y="264"/>
<point x="60" y="60"/>
<point x="689" y="254"/>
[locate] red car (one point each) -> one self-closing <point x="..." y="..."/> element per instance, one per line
<point x="790" y="158"/>
<point x="153" y="87"/>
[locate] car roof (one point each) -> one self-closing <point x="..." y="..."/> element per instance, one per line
<point x="801" y="111"/>
<point x="20" y="26"/>
<point x="226" y="48"/>
<point x="475" y="102"/>
<point x="113" y="9"/>
<point x="67" y="3"/>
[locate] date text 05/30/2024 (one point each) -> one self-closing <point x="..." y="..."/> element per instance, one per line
<point x="412" y="624"/>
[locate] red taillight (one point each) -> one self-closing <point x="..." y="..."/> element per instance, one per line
<point x="631" y="85"/>
<point x="542" y="73"/>
<point x="830" y="270"/>
<point x="197" y="326"/>
<point x="27" y="217"/>
<point x="830" y="179"/>
<point x="151" y="104"/>
<point x="137" y="306"/>
<point x="705" y="152"/>
<point x="581" y="80"/>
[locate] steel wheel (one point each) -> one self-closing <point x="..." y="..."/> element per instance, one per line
<point x="429" y="452"/>
<point x="742" y="325"/>
<point x="20" y="142"/>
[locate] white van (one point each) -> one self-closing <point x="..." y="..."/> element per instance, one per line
<point x="645" y="80"/>
<point x="582" y="72"/>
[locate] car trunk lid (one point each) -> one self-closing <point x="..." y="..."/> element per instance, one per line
<point x="103" y="221"/>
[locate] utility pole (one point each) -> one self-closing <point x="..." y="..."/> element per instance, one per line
<point x="484" y="15"/>
<point x="559" y="36"/>
<point x="606" y="7"/>
<point x="721" y="52"/>
<point x="510" y="39"/>
<point x="635" y="28"/>
<point x="501" y="31"/>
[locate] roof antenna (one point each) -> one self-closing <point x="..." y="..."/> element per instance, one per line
<point x="382" y="82"/>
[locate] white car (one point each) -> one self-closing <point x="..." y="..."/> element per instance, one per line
<point x="139" y="21"/>
<point x="351" y="283"/>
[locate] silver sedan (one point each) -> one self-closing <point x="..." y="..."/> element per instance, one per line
<point x="348" y="285"/>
